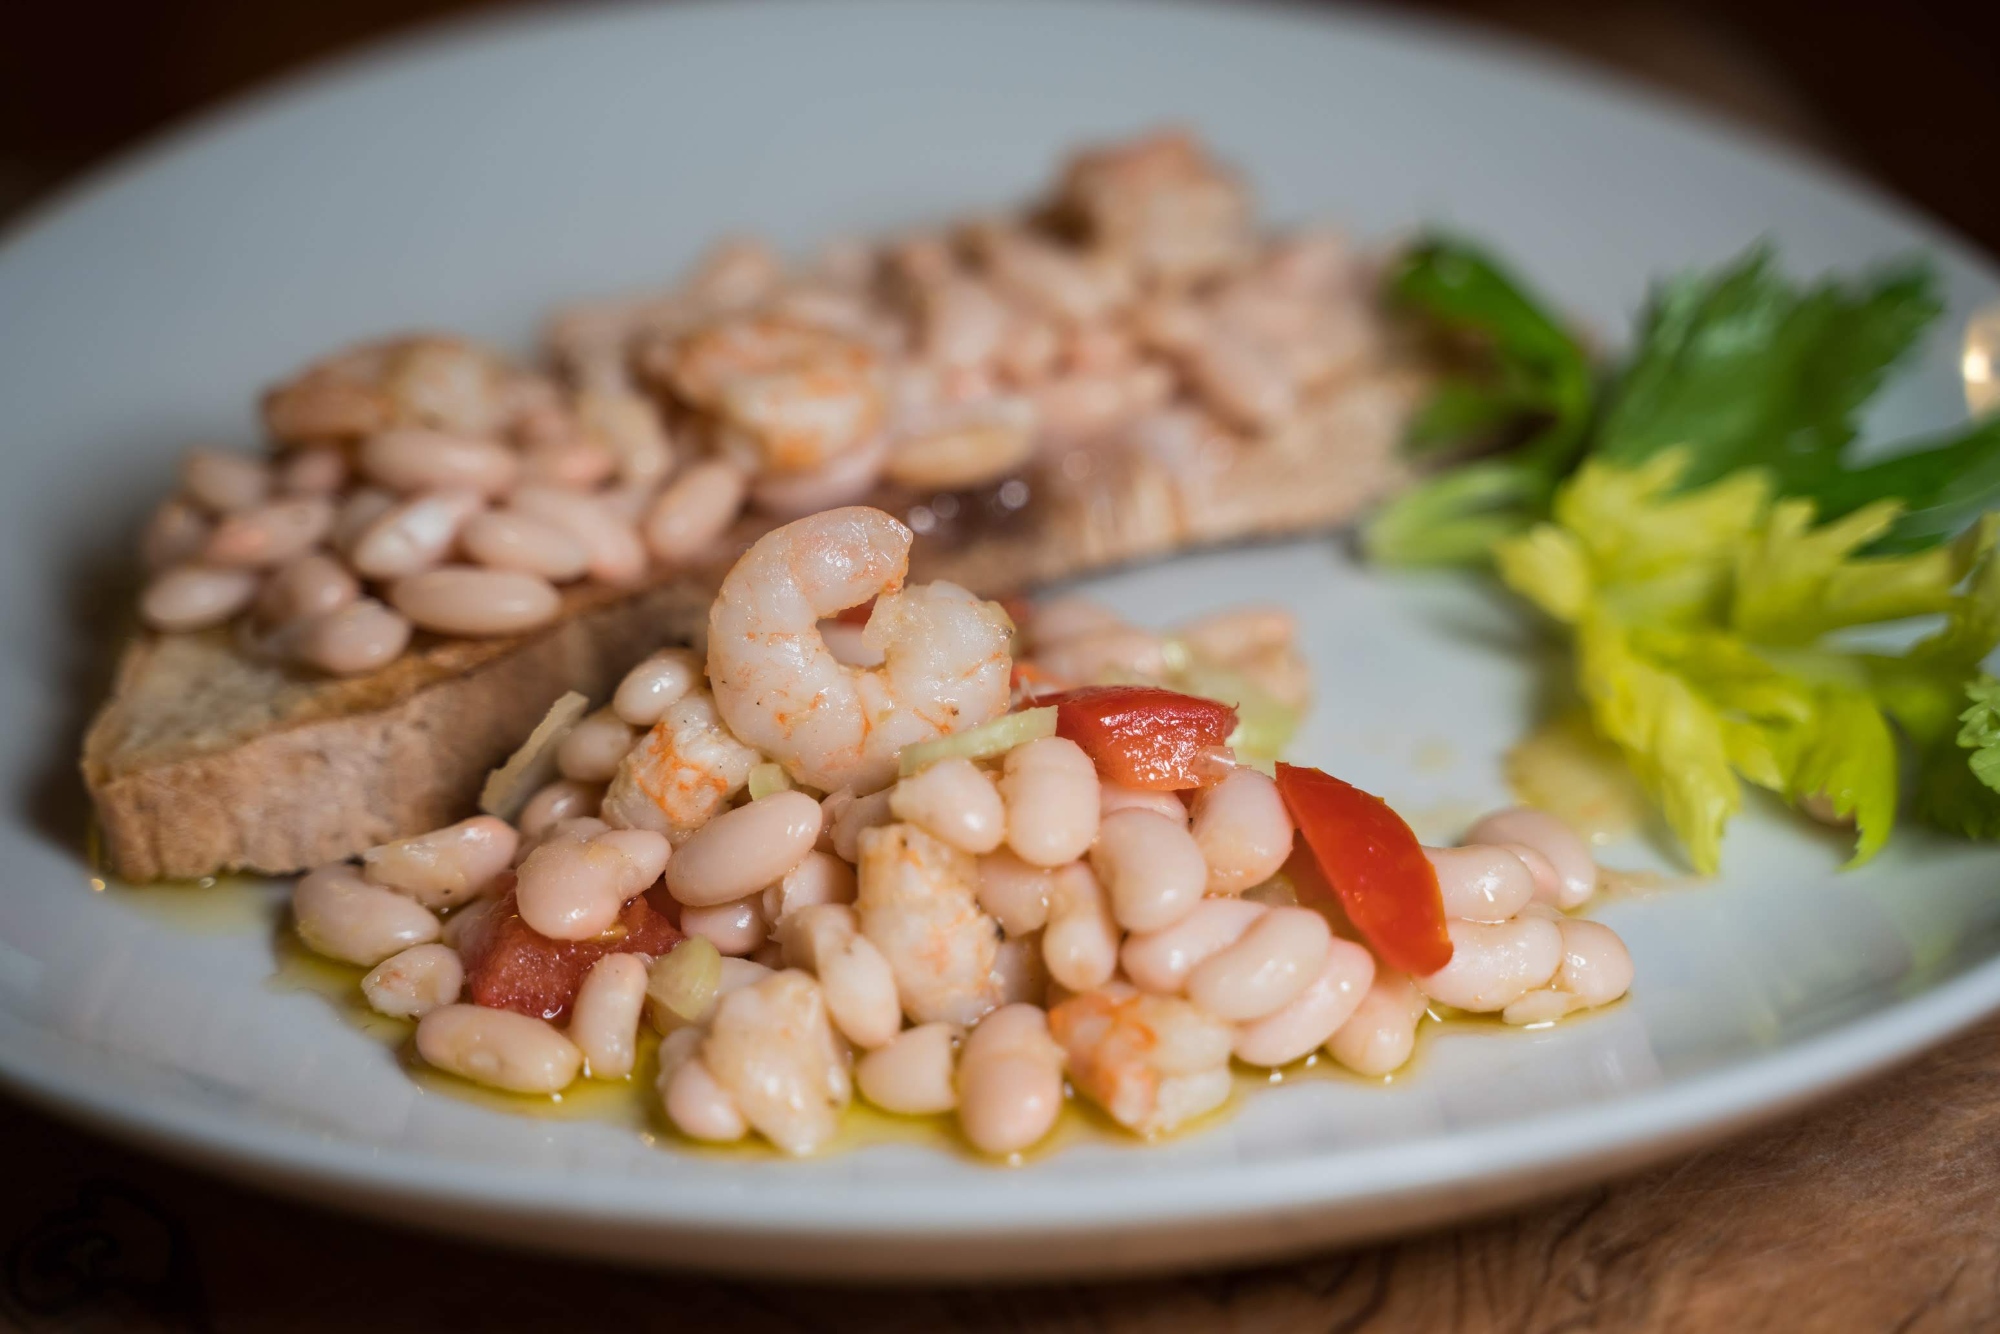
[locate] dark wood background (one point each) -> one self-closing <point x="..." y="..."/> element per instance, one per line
<point x="1880" y="1211"/>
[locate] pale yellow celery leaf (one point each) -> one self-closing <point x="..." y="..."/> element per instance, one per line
<point x="1795" y="582"/>
<point x="1548" y="566"/>
<point x="1674" y="740"/>
<point x="1637" y="529"/>
<point x="1923" y="688"/>
<point x="1849" y="759"/>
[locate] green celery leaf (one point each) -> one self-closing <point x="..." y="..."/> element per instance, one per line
<point x="1848" y="760"/>
<point x="1981" y="733"/>
<point x="1949" y="796"/>
<point x="1944" y="485"/>
<point x="1745" y="370"/>
<point x="1537" y="385"/>
<point x="1456" y="517"/>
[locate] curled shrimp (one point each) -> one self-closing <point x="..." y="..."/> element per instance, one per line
<point x="918" y="904"/>
<point x="1151" y="1062"/>
<point x="945" y="663"/>
<point x="681" y="774"/>
<point x="424" y="380"/>
<point x="773" y="1049"/>
<point x="797" y="394"/>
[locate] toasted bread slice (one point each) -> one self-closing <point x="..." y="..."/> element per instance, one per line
<point x="207" y="760"/>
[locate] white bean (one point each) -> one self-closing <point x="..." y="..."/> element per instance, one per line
<point x="604" y="1021"/>
<point x="572" y="888"/>
<point x="594" y="747"/>
<point x="313" y="472"/>
<point x="1151" y="867"/>
<point x="616" y="554"/>
<point x="1494" y="964"/>
<point x="743" y="850"/>
<point x="695" y="510"/>
<point x="1160" y="961"/>
<point x="1117" y="797"/>
<point x="859" y="985"/>
<point x="415" y="459"/>
<point x="735" y="929"/>
<point x="223" y="483"/>
<point x="270" y="534"/>
<point x="1267" y="967"/>
<point x="1481" y="882"/>
<point x="1568" y="854"/>
<point x="1013" y="893"/>
<point x="1596" y="966"/>
<point x="700" y="1107"/>
<point x="954" y="800"/>
<point x="656" y="685"/>
<point x="414" y="534"/>
<point x="911" y="1075"/>
<point x="410" y="984"/>
<point x="1010" y="1081"/>
<point x="1314" y="1015"/>
<point x="312" y="585"/>
<point x="498" y="1048"/>
<point x="447" y="866"/>
<point x="177" y="532"/>
<point x="345" y="917"/>
<point x="193" y="597"/>
<point x="1381" y="1033"/>
<point x="1050" y="787"/>
<point x="359" y="637"/>
<point x="504" y="540"/>
<point x="468" y="600"/>
<point x="357" y="514"/>
<point x="563" y="799"/>
<point x="849" y="816"/>
<point x="574" y="465"/>
<point x="1080" y="942"/>
<point x="820" y="878"/>
<point x="1243" y="829"/>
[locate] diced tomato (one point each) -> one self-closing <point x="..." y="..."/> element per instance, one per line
<point x="1375" y="865"/>
<point x="511" y="966"/>
<point x="856" y="615"/>
<point x="1144" y="736"/>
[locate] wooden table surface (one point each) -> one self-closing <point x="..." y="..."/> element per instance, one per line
<point x="1878" y="1211"/>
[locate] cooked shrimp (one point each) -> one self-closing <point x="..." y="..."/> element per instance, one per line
<point x="772" y="1047"/>
<point x="1151" y="1062"/>
<point x="779" y="688"/>
<point x="681" y="774"/>
<point x="425" y="380"/>
<point x="918" y="903"/>
<point x="797" y="394"/>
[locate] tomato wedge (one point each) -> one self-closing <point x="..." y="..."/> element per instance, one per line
<point x="1376" y="867"/>
<point x="1144" y="736"/>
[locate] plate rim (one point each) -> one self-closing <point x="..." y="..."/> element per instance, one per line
<point x="1636" y="1127"/>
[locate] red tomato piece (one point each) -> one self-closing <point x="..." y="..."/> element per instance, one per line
<point x="1145" y="736"/>
<point x="1375" y="865"/>
<point x="511" y="966"/>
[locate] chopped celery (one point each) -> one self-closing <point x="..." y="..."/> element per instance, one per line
<point x="767" y="778"/>
<point x="682" y="986"/>
<point x="984" y="741"/>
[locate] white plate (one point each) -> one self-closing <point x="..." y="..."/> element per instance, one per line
<point x="469" y="179"/>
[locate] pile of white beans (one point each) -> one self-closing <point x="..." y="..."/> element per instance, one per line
<point x="982" y="938"/>
<point x="426" y="484"/>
